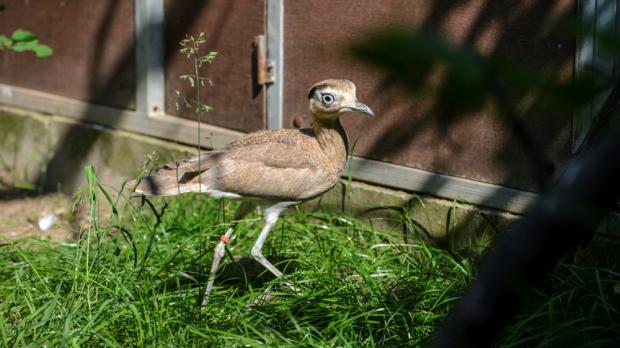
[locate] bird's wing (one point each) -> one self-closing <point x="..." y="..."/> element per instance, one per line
<point x="280" y="148"/>
<point x="281" y="164"/>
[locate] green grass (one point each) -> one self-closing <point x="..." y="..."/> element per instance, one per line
<point x="141" y="285"/>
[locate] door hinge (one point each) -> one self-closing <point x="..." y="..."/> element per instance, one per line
<point x="265" y="67"/>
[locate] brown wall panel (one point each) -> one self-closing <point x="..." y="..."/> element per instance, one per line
<point x="318" y="34"/>
<point x="230" y="27"/>
<point x="93" y="42"/>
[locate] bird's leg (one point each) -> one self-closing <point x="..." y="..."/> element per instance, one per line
<point x="271" y="216"/>
<point x="218" y="253"/>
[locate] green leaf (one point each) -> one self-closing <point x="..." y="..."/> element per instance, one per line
<point x="38" y="49"/>
<point x="24" y="46"/>
<point x="21" y="35"/>
<point x="43" y="51"/>
<point x="5" y="42"/>
<point x="188" y="78"/>
<point x="108" y="198"/>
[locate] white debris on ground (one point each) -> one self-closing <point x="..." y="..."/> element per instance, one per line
<point x="46" y="221"/>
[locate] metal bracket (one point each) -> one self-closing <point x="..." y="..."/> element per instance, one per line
<point x="265" y="67"/>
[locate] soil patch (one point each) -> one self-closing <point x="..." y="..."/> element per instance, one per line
<point x="30" y="213"/>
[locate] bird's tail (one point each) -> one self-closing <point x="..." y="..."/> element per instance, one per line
<point x="177" y="177"/>
<point x="156" y="185"/>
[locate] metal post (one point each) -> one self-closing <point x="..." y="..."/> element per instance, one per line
<point x="151" y="83"/>
<point x="275" y="53"/>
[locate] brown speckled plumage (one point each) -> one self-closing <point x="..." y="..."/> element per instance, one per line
<point x="272" y="169"/>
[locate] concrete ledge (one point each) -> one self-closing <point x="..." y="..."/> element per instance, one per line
<point x="442" y="222"/>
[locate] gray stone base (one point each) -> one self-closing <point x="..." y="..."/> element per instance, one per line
<point x="52" y="151"/>
<point x="444" y="223"/>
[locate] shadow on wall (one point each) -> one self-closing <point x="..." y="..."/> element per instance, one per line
<point x="457" y="80"/>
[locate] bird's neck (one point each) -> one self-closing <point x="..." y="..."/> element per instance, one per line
<point x="332" y="139"/>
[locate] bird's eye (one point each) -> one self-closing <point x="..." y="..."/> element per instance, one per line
<point x="328" y="99"/>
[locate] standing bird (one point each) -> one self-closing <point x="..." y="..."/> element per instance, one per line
<point x="271" y="169"/>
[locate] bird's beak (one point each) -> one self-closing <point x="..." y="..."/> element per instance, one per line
<point x="360" y="107"/>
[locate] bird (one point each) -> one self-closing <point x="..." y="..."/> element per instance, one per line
<point x="269" y="169"/>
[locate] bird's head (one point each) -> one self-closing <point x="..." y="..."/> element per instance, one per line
<point x="331" y="98"/>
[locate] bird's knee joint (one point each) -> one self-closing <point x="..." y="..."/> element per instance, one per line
<point x="256" y="253"/>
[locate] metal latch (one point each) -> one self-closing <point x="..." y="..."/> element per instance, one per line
<point x="264" y="66"/>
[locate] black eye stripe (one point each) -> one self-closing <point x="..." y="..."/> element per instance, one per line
<point x="314" y="89"/>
